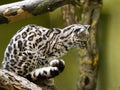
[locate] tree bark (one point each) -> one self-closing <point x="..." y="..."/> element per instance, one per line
<point x="89" y="58"/>
<point x="27" y="8"/>
<point x="11" y="81"/>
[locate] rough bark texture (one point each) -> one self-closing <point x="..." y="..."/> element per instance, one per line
<point x="11" y="81"/>
<point x="86" y="12"/>
<point x="28" y="8"/>
<point x="89" y="58"/>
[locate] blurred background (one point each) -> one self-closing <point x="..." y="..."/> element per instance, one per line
<point x="108" y="38"/>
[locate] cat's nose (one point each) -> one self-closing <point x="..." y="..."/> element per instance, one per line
<point x="86" y="29"/>
<point x="86" y="26"/>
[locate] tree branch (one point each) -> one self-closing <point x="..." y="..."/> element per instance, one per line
<point x="11" y="81"/>
<point x="90" y="57"/>
<point x="28" y="8"/>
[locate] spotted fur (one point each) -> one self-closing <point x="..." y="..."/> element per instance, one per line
<point x="33" y="45"/>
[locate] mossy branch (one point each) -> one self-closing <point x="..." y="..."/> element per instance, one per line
<point x="89" y="58"/>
